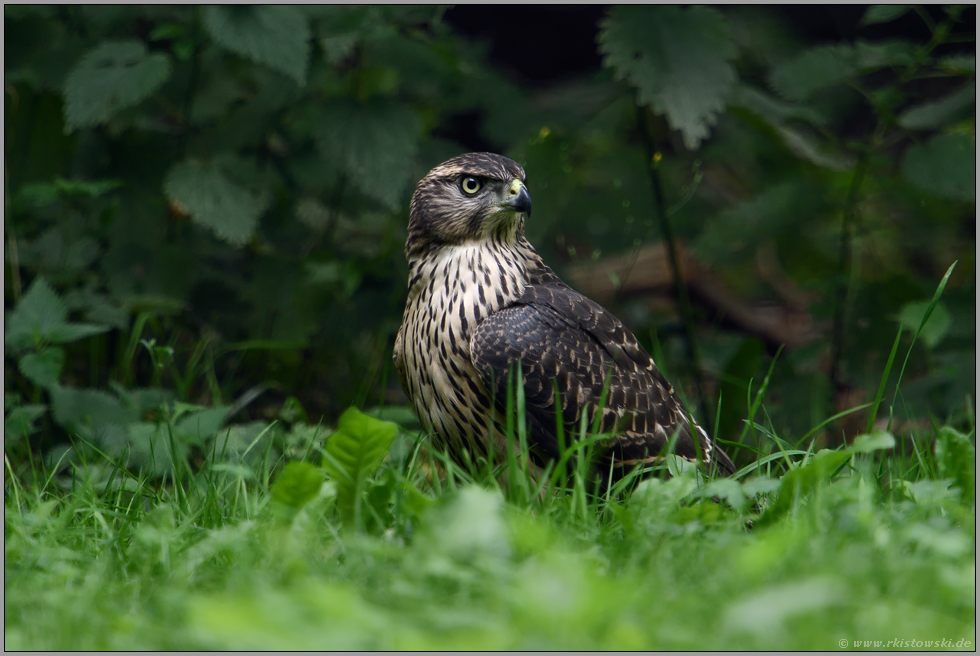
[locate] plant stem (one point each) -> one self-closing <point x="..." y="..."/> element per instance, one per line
<point x="680" y="284"/>
<point x="843" y="291"/>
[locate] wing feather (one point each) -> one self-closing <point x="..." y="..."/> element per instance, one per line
<point x="567" y="346"/>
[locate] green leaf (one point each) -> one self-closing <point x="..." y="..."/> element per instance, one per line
<point x="375" y="142"/>
<point x="41" y="317"/>
<point x="199" y="426"/>
<point x="297" y="484"/>
<point x="113" y="76"/>
<point x="800" y="482"/>
<point x="940" y="113"/>
<point x="82" y="409"/>
<point x="677" y="58"/>
<point x="945" y="165"/>
<point x="814" y="69"/>
<point x="956" y="458"/>
<point x="740" y="227"/>
<point x="44" y="368"/>
<point x="342" y="26"/>
<point x="214" y="200"/>
<point x="963" y="64"/>
<point x="935" y="328"/>
<point x="824" y="66"/>
<point x="874" y="441"/>
<point x="39" y="311"/>
<point x="728" y="489"/>
<point x="19" y="422"/>
<point x="72" y="332"/>
<point x="883" y="13"/>
<point x="275" y="35"/>
<point x="352" y="453"/>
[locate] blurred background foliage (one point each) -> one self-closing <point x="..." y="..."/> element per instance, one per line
<point x="205" y="207"/>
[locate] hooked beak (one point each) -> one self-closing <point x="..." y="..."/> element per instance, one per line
<point x="518" y="200"/>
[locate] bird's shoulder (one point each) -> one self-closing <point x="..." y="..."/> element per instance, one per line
<point x="552" y="301"/>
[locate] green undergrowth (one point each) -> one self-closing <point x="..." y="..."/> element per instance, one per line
<point x="362" y="536"/>
<point x="373" y="542"/>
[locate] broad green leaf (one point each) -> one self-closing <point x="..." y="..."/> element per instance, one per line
<point x="875" y="441"/>
<point x="113" y="76"/>
<point x="72" y="332"/>
<point x="883" y="13"/>
<point x="275" y="35"/>
<point x="883" y="54"/>
<point x="956" y="458"/>
<point x="41" y="317"/>
<point x="214" y="200"/>
<point x="39" y="311"/>
<point x="938" y="114"/>
<point x="935" y="329"/>
<point x="199" y="426"/>
<point x="824" y="66"/>
<point x="297" y="484"/>
<point x="44" y="368"/>
<point x="19" y="422"/>
<point x="739" y="228"/>
<point x="800" y="482"/>
<point x="964" y="64"/>
<point x="728" y="489"/>
<point x="341" y="27"/>
<point x="678" y="59"/>
<point x="945" y="165"/>
<point x="467" y="525"/>
<point x="375" y="143"/>
<point x="79" y="409"/>
<point x="773" y="109"/>
<point x="352" y="453"/>
<point x="814" y="69"/>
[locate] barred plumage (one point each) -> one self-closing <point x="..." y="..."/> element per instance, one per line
<point x="481" y="300"/>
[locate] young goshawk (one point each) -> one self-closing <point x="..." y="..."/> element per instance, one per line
<point x="481" y="300"/>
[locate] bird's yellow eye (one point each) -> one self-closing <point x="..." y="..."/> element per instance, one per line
<point x="471" y="185"/>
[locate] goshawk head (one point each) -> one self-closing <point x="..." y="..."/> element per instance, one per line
<point x="471" y="197"/>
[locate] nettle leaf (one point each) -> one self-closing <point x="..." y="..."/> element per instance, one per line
<point x="940" y="113"/>
<point x="677" y="58"/>
<point x="883" y="13"/>
<point x="341" y="27"/>
<point x="275" y="35"/>
<point x="376" y="143"/>
<point x="352" y="453"/>
<point x="41" y="316"/>
<point x="202" y="425"/>
<point x="113" y="76"/>
<point x="44" y="368"/>
<point x="39" y="311"/>
<point x="297" y="484"/>
<point x="934" y="329"/>
<point x="19" y="422"/>
<point x="214" y="200"/>
<point x="945" y="165"/>
<point x="824" y="66"/>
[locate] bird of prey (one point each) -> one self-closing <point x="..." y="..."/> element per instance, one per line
<point x="481" y="300"/>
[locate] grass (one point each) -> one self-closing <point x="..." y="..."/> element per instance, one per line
<point x="366" y="539"/>
<point x="871" y="546"/>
